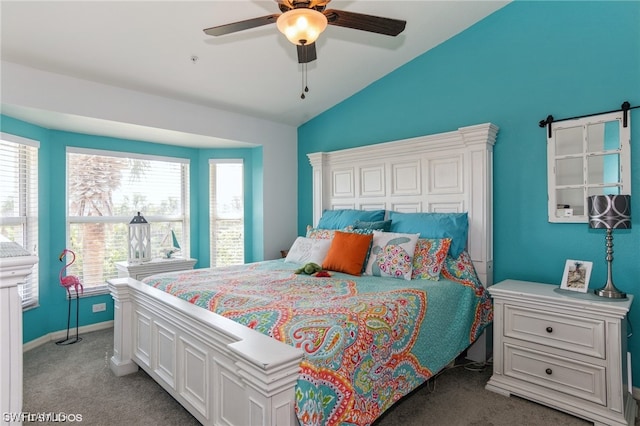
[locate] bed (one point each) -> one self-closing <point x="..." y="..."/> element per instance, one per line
<point x="260" y="344"/>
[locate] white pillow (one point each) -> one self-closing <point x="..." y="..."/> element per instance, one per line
<point x="306" y="250"/>
<point x="392" y="255"/>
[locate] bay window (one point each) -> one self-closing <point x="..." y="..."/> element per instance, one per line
<point x="226" y="212"/>
<point x="105" y="190"/>
<point x="19" y="203"/>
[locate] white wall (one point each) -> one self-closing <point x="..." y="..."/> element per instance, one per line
<point x="69" y="101"/>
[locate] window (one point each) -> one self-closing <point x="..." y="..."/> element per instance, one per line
<point x="226" y="212"/>
<point x="587" y="156"/>
<point x="105" y="190"/>
<point x="19" y="202"/>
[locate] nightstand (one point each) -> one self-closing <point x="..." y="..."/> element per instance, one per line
<point x="139" y="271"/>
<point x="563" y="349"/>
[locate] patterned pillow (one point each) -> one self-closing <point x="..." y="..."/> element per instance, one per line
<point x="324" y="234"/>
<point x="392" y="255"/>
<point x="461" y="269"/>
<point x="429" y="258"/>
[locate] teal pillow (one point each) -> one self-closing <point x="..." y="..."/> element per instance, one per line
<point x="339" y="219"/>
<point x="382" y="225"/>
<point x="434" y="225"/>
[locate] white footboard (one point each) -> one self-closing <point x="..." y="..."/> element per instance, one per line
<point x="220" y="371"/>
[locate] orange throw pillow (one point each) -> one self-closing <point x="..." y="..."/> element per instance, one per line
<point x="347" y="253"/>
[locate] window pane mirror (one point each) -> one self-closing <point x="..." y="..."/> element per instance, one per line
<point x="586" y="156"/>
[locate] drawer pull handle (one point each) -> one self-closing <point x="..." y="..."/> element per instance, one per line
<point x="549" y="329"/>
<point x="548" y="371"/>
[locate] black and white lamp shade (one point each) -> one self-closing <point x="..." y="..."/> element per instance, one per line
<point x="609" y="211"/>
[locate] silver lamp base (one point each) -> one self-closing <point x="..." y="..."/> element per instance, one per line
<point x="611" y="292"/>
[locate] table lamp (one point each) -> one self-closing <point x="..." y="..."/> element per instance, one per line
<point x="609" y="212"/>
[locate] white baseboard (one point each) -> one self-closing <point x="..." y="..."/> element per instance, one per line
<point x="55" y="335"/>
<point x="636" y="393"/>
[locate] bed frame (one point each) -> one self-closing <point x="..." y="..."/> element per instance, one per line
<point x="227" y="374"/>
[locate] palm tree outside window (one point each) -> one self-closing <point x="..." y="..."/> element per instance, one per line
<point x="104" y="191"/>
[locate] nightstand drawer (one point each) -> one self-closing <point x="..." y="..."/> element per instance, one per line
<point x="575" y="334"/>
<point x="578" y="379"/>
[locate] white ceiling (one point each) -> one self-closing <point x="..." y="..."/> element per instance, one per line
<point x="149" y="46"/>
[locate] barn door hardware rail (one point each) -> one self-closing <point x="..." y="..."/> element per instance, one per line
<point x="625" y="107"/>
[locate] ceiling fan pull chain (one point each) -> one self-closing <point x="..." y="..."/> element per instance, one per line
<point x="306" y="75"/>
<point x="304" y="81"/>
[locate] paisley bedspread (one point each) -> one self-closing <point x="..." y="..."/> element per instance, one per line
<point x="368" y="341"/>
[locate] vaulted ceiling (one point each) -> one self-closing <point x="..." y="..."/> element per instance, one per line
<point x="159" y="47"/>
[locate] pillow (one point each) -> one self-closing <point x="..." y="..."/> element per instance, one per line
<point x="321" y="234"/>
<point x="306" y="250"/>
<point x="461" y="269"/>
<point x="365" y="231"/>
<point x="429" y="258"/>
<point x="382" y="225"/>
<point x="338" y="219"/>
<point x="434" y="225"/>
<point x="327" y="234"/>
<point x="392" y="255"/>
<point x="347" y="252"/>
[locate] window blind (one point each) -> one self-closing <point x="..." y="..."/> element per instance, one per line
<point x="226" y="212"/>
<point x="19" y="202"/>
<point x="105" y="190"/>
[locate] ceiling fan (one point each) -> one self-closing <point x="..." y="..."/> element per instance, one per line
<point x="302" y="21"/>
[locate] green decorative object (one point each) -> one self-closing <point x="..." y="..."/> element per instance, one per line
<point x="309" y="268"/>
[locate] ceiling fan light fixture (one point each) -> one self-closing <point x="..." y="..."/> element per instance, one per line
<point x="302" y="26"/>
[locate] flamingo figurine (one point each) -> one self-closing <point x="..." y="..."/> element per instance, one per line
<point x="67" y="282"/>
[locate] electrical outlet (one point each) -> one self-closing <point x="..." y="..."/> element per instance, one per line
<point x="99" y="307"/>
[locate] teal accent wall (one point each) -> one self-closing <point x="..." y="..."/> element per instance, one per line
<point x="51" y="314"/>
<point x="515" y="67"/>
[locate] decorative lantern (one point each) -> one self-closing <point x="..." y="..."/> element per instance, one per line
<point x="139" y="240"/>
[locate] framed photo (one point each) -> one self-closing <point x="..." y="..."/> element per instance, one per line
<point x="576" y="275"/>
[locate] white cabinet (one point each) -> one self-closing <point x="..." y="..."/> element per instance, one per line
<point x="564" y="349"/>
<point x="139" y="271"/>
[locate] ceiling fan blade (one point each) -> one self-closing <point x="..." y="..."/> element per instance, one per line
<point x="241" y="25"/>
<point x="306" y="53"/>
<point x="359" y="21"/>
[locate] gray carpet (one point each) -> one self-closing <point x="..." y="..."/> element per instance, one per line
<point x="76" y="380"/>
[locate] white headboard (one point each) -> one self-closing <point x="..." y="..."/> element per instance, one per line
<point x="446" y="172"/>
